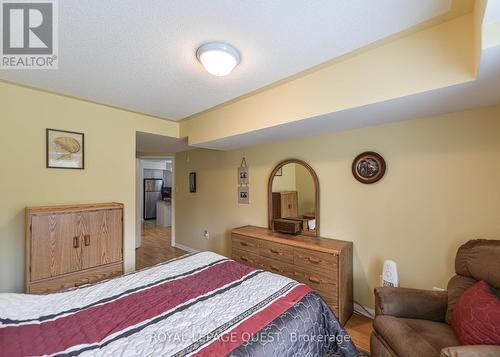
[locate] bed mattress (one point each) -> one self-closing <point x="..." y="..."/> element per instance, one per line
<point x="201" y="304"/>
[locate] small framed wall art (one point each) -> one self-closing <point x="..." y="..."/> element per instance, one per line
<point x="368" y="167"/>
<point x="65" y="149"/>
<point x="192" y="182"/>
<point x="243" y="173"/>
<point x="243" y="195"/>
<point x="243" y="181"/>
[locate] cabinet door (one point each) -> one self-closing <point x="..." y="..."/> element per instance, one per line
<point x="102" y="242"/>
<point x="55" y="245"/>
<point x="289" y="204"/>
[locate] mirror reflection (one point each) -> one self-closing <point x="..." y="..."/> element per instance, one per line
<point x="293" y="200"/>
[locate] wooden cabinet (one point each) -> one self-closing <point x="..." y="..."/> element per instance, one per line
<point x="67" y="246"/>
<point x="322" y="263"/>
<point x="285" y="204"/>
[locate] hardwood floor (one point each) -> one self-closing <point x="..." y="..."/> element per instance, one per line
<point x="360" y="328"/>
<point x="156" y="246"/>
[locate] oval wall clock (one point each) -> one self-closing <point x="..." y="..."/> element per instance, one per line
<point x="368" y="167"/>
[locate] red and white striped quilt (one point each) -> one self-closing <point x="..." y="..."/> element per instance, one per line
<point x="200" y="304"/>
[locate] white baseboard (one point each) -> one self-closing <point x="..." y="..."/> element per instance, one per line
<point x="185" y="247"/>
<point x="362" y="310"/>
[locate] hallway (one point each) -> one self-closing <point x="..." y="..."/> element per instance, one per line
<point x="156" y="246"/>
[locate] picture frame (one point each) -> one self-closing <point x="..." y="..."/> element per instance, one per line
<point x="192" y="182"/>
<point x="65" y="149"/>
<point x="243" y="175"/>
<point x="244" y="195"/>
<point x="368" y="167"/>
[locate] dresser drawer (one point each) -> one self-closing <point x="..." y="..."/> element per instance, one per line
<point x="245" y="243"/>
<point x="276" y="251"/>
<point x="72" y="280"/>
<point x="314" y="260"/>
<point x="247" y="258"/>
<point x="323" y="283"/>
<point x="277" y="267"/>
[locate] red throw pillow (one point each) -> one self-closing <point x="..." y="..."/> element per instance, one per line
<point x="476" y="317"/>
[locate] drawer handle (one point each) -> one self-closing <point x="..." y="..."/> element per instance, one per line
<point x="274" y="268"/>
<point x="245" y="259"/>
<point x="272" y="250"/>
<point x="87" y="240"/>
<point x="82" y="282"/>
<point x="314" y="260"/>
<point x="314" y="280"/>
<point x="76" y="242"/>
<point x="244" y="244"/>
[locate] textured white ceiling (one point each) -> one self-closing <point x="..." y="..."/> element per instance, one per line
<point x="492" y="13"/>
<point x="139" y="55"/>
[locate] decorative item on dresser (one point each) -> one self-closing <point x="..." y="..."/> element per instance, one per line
<point x="287" y="226"/>
<point x="322" y="263"/>
<point x="68" y="246"/>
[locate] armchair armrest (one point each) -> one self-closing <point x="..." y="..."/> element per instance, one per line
<point x="411" y="303"/>
<point x="471" y="351"/>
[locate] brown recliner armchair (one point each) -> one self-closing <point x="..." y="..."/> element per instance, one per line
<point x="411" y="322"/>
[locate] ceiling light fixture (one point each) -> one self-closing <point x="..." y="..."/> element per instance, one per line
<point x="218" y="58"/>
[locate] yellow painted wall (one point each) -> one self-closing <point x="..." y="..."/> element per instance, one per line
<point x="287" y="181"/>
<point x="436" y="57"/>
<point x="440" y="189"/>
<point x="305" y="190"/>
<point x="109" y="173"/>
<point x="477" y="27"/>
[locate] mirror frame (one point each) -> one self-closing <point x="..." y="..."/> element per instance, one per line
<point x="270" y="193"/>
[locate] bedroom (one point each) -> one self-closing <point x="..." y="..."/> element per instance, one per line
<point x="416" y="82"/>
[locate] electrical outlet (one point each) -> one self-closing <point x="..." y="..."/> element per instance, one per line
<point x="206" y="235"/>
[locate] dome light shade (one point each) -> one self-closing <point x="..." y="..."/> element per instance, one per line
<point x="218" y="58"/>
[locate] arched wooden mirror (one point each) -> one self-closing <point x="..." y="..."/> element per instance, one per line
<point x="293" y="198"/>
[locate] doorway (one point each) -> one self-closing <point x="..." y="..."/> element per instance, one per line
<point x="155" y="198"/>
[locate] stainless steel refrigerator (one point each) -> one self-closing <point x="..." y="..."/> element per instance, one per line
<point x="152" y="194"/>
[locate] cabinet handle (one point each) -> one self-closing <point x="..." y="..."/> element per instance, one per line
<point x="76" y="242"/>
<point x="272" y="250"/>
<point x="314" y="280"/>
<point x="244" y="244"/>
<point x="314" y="260"/>
<point x="86" y="238"/>
<point x="245" y="259"/>
<point x="274" y="268"/>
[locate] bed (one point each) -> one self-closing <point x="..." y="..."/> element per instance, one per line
<point x="200" y="304"/>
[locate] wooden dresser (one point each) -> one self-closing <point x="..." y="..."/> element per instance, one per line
<point x="68" y="246"/>
<point x="322" y="263"/>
